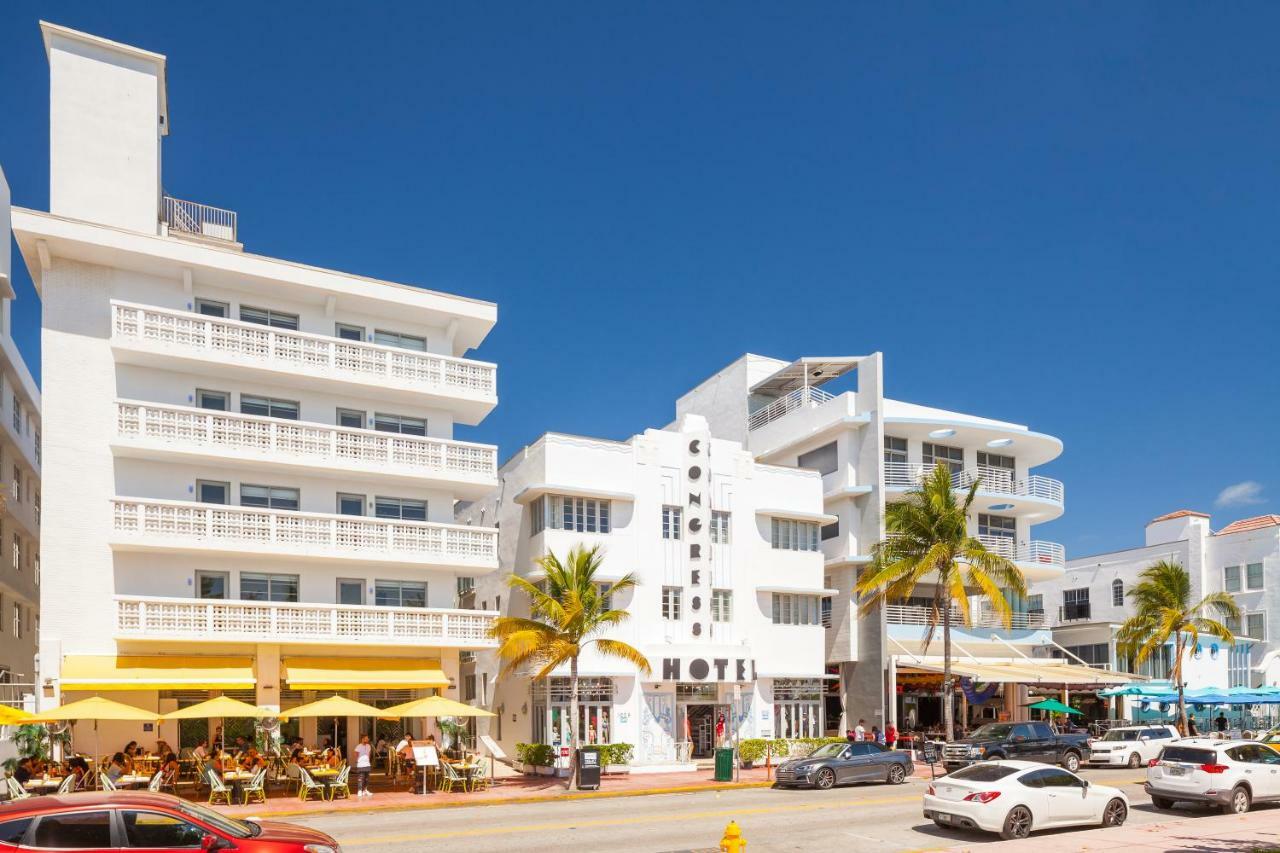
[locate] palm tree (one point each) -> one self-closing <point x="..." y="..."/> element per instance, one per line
<point x="927" y="542"/>
<point x="567" y="613"/>
<point x="1163" y="611"/>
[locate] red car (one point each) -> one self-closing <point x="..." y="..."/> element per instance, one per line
<point x="130" y="820"/>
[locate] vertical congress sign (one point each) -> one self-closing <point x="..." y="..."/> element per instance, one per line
<point x="698" y="479"/>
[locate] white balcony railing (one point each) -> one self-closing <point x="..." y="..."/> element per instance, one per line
<point x="801" y="398"/>
<point x="321" y="444"/>
<point x="188" y="333"/>
<point x="189" y="217"/>
<point x="1035" y="551"/>
<point x="908" y="614"/>
<point x="167" y="524"/>
<point x="229" y="621"/>
<point x="995" y="480"/>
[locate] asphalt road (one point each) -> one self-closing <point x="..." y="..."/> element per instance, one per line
<point x="873" y="818"/>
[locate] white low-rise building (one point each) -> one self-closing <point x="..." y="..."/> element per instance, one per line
<point x="252" y="468"/>
<point x="728" y="610"/>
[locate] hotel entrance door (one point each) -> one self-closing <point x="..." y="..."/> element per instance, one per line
<point x="705" y="727"/>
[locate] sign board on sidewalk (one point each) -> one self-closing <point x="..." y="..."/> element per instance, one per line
<point x="492" y="746"/>
<point x="930" y="754"/>
<point x="426" y="756"/>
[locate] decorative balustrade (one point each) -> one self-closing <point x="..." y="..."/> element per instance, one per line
<point x="910" y="614"/>
<point x="282" y="349"/>
<point x="1035" y="551"/>
<point x="158" y="523"/>
<point x="800" y="398"/>
<point x="227" y="621"/>
<point x="322" y="444"/>
<point x="994" y="480"/>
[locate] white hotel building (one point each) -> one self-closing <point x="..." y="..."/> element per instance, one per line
<point x="251" y="467"/>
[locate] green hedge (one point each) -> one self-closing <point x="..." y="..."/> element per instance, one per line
<point x="544" y="755"/>
<point x="754" y="749"/>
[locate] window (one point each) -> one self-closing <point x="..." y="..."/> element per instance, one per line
<point x="671" y="522"/>
<point x="584" y="515"/>
<point x="17" y="619"/>
<point x="824" y="615"/>
<point x="37" y="509"/>
<point x="160" y="831"/>
<point x="211" y="308"/>
<point x="719" y="527"/>
<point x="212" y="585"/>
<point x="1255" y="626"/>
<point x="256" y="586"/>
<point x="404" y="509"/>
<point x="12" y="831"/>
<point x="1094" y="654"/>
<point x="217" y="400"/>
<point x="399" y="423"/>
<point x="999" y="526"/>
<point x="995" y="460"/>
<point x="271" y="497"/>
<point x="789" y="609"/>
<point x="1035" y="603"/>
<point x="213" y="493"/>
<point x="823" y="459"/>
<point x="895" y="450"/>
<point x="1117" y="593"/>
<point x="1252" y="576"/>
<point x="349" y="504"/>
<point x="350" y="591"/>
<point x="37" y="447"/>
<point x="1231" y="578"/>
<point x="17" y="484"/>
<point x="74" y="831"/>
<point x="791" y="535"/>
<point x="351" y="418"/>
<point x="1075" y="603"/>
<point x="348" y="332"/>
<point x="951" y="457"/>
<point x="17" y="414"/>
<point x="1232" y="623"/>
<point x="400" y="594"/>
<point x="396" y="339"/>
<point x="267" y="317"/>
<point x="468" y="688"/>
<point x="269" y="407"/>
<point x="721" y="605"/>
<point x="671" y="603"/>
<point x="602" y="589"/>
<point x="17" y="553"/>
<point x="831" y="531"/>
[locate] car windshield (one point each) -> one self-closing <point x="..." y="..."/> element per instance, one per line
<point x="1121" y="734"/>
<point x="222" y="823"/>
<point x="1188" y="755"/>
<point x="828" y="750"/>
<point x="983" y="773"/>
<point x="993" y="730"/>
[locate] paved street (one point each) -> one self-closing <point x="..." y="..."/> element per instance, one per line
<point x="867" y="818"/>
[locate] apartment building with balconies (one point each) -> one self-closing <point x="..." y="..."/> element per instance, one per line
<point x="870" y="450"/>
<point x="252" y="461"/>
<point x="20" y="439"/>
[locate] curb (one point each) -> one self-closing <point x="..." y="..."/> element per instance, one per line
<point x="514" y="801"/>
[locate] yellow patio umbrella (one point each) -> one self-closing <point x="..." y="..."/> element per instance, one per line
<point x="436" y="706"/>
<point x="219" y="706"/>
<point x="10" y="716"/>
<point x="334" y="706"/>
<point x="95" y="708"/>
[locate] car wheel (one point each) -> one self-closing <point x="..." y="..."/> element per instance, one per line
<point x="1071" y="761"/>
<point x="1161" y="803"/>
<point x="1017" y="824"/>
<point x="897" y="774"/>
<point x="1239" y="802"/>
<point x="995" y="757"/>
<point x="1135" y="761"/>
<point x="825" y="780"/>
<point x="1115" y="813"/>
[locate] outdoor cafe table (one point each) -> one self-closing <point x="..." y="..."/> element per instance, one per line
<point x="325" y="776"/>
<point x="133" y="780"/>
<point x="43" y="786"/>
<point x="237" y="778"/>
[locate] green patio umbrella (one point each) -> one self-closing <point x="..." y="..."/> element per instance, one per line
<point x="1053" y="706"/>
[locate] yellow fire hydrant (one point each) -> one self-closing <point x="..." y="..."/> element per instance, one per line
<point x="733" y="842"/>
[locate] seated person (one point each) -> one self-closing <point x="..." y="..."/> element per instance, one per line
<point x="169" y="765"/>
<point x="252" y="760"/>
<point x="79" y="768"/>
<point x="130" y="750"/>
<point x="201" y="752"/>
<point x="162" y="748"/>
<point x="241" y="743"/>
<point x="404" y="750"/>
<point x="117" y="767"/>
<point x="332" y="759"/>
<point x="23" y="773"/>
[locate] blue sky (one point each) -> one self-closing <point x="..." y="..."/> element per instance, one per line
<point x="1058" y="214"/>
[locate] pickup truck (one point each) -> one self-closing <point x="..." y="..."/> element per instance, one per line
<point x="1029" y="741"/>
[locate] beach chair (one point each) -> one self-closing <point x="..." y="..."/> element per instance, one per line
<point x="256" y="787"/>
<point x="307" y="785"/>
<point x="338" y="789"/>
<point x="217" y="789"/>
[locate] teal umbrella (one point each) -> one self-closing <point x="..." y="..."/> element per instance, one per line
<point x="1053" y="706"/>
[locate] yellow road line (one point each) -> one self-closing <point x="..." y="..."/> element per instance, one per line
<point x="633" y="820"/>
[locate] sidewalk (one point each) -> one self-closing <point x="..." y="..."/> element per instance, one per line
<point x="1252" y="833"/>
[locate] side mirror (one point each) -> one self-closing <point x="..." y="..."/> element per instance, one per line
<point x="1018" y="739"/>
<point x="1145" y="737"/>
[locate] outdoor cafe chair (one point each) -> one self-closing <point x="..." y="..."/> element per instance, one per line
<point x="105" y="781"/>
<point x="449" y="777"/>
<point x="480" y="775"/>
<point x="68" y="784"/>
<point x="156" y="781"/>
<point x="16" y="791"/>
<point x="256" y="787"/>
<point x="338" y="787"/>
<point x="307" y="785"/>
<point x="217" y="790"/>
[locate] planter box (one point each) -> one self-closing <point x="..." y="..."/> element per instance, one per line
<point x="613" y="769"/>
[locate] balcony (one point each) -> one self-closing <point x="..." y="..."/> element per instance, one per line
<point x="224" y="621"/>
<point x="1000" y="481"/>
<point x="907" y="614"/>
<point x="183" y="526"/>
<point x="206" y="435"/>
<point x="800" y="398"/>
<point x="1035" y="552"/>
<point x="199" y="220"/>
<point x="170" y="339"/>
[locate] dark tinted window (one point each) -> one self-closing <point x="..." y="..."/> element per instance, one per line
<point x="1034" y="779"/>
<point x="859" y="749"/>
<point x="11" y="831"/>
<point x="983" y="773"/>
<point x="876" y="749"/>
<point x="1041" y="730"/>
<point x="1187" y="754"/>
<point x="152" y="829"/>
<point x="1157" y="734"/>
<point x="74" y="831"/>
<point x="1055" y="778"/>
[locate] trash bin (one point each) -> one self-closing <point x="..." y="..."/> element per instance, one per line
<point x="589" y="768"/>
<point x="724" y="765"/>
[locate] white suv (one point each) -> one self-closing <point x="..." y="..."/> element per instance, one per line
<point x="1130" y="746"/>
<point x="1232" y="774"/>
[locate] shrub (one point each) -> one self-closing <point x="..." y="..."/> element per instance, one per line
<point x="616" y="753"/>
<point x="535" y="754"/>
<point x="754" y="749"/>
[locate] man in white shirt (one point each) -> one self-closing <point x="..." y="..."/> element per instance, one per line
<point x="860" y="730"/>
<point x="364" y="764"/>
<point x="201" y="751"/>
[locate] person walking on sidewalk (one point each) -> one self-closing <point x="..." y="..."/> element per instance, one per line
<point x="860" y="730"/>
<point x="890" y="735"/>
<point x="364" y="764"/>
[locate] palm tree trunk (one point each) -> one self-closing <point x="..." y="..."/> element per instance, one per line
<point x="1177" y="677"/>
<point x="948" y="716"/>
<point x="573" y="723"/>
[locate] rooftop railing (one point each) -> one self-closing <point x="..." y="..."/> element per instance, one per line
<point x="189" y="217"/>
<point x="801" y="398"/>
<point x="910" y="614"/>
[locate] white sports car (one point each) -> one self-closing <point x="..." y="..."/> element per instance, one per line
<point x="1014" y="798"/>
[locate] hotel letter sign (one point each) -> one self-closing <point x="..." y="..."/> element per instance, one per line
<point x="698" y="476"/>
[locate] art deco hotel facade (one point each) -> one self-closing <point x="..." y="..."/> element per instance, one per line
<point x="251" y="466"/>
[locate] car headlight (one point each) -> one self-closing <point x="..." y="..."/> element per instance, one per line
<point x="978" y="750"/>
<point x="322" y="848"/>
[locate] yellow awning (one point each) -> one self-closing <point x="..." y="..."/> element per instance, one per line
<point x="156" y="672"/>
<point x="367" y="673"/>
